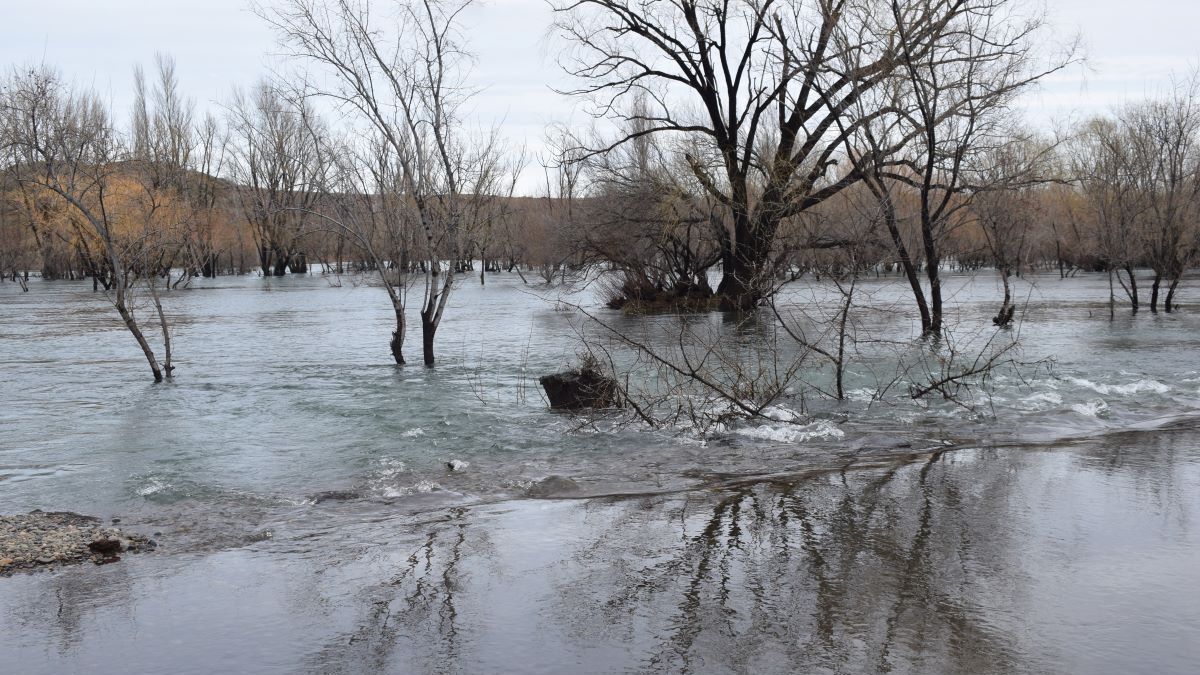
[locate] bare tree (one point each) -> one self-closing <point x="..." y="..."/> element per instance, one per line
<point x="275" y="142"/>
<point x="1139" y="172"/>
<point x="650" y="222"/>
<point x="208" y="194"/>
<point x="366" y="202"/>
<point x="404" y="77"/>
<point x="1104" y="167"/>
<point x="1009" y="206"/>
<point x="952" y="100"/>
<point x="1164" y="139"/>
<point x="771" y="90"/>
<point x="63" y="141"/>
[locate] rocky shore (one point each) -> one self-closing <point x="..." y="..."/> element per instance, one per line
<point x="43" y="539"/>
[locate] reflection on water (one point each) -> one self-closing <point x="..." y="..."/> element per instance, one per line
<point x="1071" y="560"/>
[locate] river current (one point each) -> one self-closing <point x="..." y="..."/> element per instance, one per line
<point x="297" y="482"/>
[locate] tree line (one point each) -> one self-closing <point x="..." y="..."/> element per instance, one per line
<point x="737" y="146"/>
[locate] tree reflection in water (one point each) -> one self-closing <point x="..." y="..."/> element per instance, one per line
<point x="414" y="614"/>
<point x="953" y="562"/>
<point x="1076" y="558"/>
<point x="874" y="570"/>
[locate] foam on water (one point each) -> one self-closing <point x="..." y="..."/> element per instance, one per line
<point x="1043" y="400"/>
<point x="422" y="486"/>
<point x="1127" y="389"/>
<point x="792" y="433"/>
<point x="153" y="486"/>
<point x="1096" y="407"/>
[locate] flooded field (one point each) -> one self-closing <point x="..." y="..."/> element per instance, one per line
<point x="296" y="482"/>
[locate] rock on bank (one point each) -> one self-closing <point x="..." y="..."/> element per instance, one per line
<point x="52" y="539"/>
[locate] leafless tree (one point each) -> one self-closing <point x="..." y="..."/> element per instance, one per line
<point x="366" y="202"/>
<point x="160" y="164"/>
<point x="61" y="140"/>
<point x="490" y="206"/>
<point x="1104" y="167"/>
<point x="1010" y="205"/>
<point x="1164" y="138"/>
<point x="208" y="194"/>
<point x="403" y="75"/>
<point x="771" y="90"/>
<point x="952" y="101"/>
<point x="650" y="223"/>
<point x="275" y="140"/>
<point x="1139" y="173"/>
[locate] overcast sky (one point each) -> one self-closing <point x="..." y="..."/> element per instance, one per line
<point x="1132" y="48"/>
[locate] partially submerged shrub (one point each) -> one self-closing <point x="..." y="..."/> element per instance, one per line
<point x="583" y="387"/>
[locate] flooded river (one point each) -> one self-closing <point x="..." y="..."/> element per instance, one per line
<point x="297" y="484"/>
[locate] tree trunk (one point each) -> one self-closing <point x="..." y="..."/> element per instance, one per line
<point x="281" y="264"/>
<point x="1133" y="289"/>
<point x="906" y="264"/>
<point x="167" y="367"/>
<point x="131" y="324"/>
<point x="741" y="266"/>
<point x="398" y="337"/>
<point x="1169" y="304"/>
<point x="264" y="259"/>
<point x="1154" y="292"/>
<point x="1112" y="297"/>
<point x="208" y="268"/>
<point x="428" y="330"/>
<point x="933" y="272"/>
<point x="1005" y="316"/>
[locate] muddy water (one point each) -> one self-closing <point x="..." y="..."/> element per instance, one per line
<point x="1057" y="535"/>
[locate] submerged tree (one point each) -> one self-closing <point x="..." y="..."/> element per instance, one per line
<point x="275" y="141"/>
<point x="1103" y="166"/>
<point x="366" y="202"/>
<point x="771" y="90"/>
<point x="61" y="142"/>
<point x="951" y="100"/>
<point x="403" y="76"/>
<point x="1164" y="139"/>
<point x="651" y="223"/>
<point x="1139" y="174"/>
<point x="1007" y="211"/>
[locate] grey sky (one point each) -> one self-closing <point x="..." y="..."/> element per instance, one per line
<point x="1132" y="48"/>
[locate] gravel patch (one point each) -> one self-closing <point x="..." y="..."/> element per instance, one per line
<point x="42" y="539"/>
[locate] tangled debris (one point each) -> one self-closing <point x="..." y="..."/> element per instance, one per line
<point x="51" y="539"/>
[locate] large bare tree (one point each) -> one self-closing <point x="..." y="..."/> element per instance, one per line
<point x="772" y="88"/>
<point x="949" y="109"/>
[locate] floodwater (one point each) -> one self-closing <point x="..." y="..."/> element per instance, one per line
<point x="1050" y="528"/>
